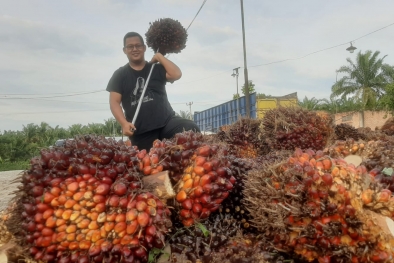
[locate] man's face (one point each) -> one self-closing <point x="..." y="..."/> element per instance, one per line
<point x="134" y="49"/>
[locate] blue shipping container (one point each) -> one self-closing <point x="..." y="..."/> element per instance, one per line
<point x="224" y="114"/>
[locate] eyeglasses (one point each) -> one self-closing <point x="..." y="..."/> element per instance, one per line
<point x="131" y="47"/>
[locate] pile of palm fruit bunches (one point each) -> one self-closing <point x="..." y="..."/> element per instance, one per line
<point x="270" y="190"/>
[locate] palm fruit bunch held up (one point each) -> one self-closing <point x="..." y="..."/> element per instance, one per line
<point x="166" y="36"/>
<point x="318" y="208"/>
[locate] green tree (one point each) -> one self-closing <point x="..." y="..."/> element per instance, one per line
<point x="310" y="104"/>
<point x="388" y="99"/>
<point x="251" y="90"/>
<point x="365" y="80"/>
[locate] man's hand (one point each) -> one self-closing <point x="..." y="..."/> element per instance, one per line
<point x="128" y="129"/>
<point x="157" y="58"/>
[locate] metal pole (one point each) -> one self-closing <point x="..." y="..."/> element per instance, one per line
<point x="190" y="107"/>
<point x="247" y="98"/>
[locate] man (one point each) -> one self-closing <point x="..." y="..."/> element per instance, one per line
<point x="156" y="119"/>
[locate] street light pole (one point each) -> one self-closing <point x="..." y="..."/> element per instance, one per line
<point x="190" y="106"/>
<point x="247" y="98"/>
<point x="236" y="74"/>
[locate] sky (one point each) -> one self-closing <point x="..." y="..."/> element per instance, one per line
<point x="56" y="57"/>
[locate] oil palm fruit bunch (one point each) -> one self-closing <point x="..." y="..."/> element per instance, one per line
<point x="197" y="242"/>
<point x="290" y="128"/>
<point x="84" y="203"/>
<point x="317" y="207"/>
<point x="174" y="154"/>
<point x="205" y="183"/>
<point x="166" y="35"/>
<point x="344" y="131"/>
<point x="243" y="140"/>
<point x="388" y="127"/>
<point x="232" y="206"/>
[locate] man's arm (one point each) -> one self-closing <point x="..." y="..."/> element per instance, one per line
<point x="115" y="99"/>
<point x="173" y="71"/>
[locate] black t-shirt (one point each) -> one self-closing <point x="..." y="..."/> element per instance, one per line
<point x="155" y="109"/>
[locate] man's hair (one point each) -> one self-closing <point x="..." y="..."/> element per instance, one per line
<point x="132" y="34"/>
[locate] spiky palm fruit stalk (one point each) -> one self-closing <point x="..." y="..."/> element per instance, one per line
<point x="314" y="206"/>
<point x="167" y="36"/>
<point x="243" y="140"/>
<point x="84" y="202"/>
<point x="290" y="128"/>
<point x="344" y="131"/>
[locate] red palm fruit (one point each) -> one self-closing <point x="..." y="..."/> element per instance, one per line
<point x="184" y="213"/>
<point x="198" y="191"/>
<point x="93" y="216"/>
<point x="51" y="248"/>
<point x="37" y="191"/>
<point x="73" y="187"/>
<point x="126" y="240"/>
<point x="96" y="236"/>
<point x="41" y="207"/>
<point x="69" y="203"/>
<point x="207" y="167"/>
<point x="188" y="184"/>
<point x="84" y="211"/>
<point x="61" y="236"/>
<point x="188" y="222"/>
<point x="47" y="232"/>
<point x="120" y="218"/>
<point x="327" y="164"/>
<point x="77" y="207"/>
<point x="31" y="227"/>
<point x="70" y="237"/>
<point x="143" y="219"/>
<point x="197" y="208"/>
<point x="181" y="196"/>
<point x="132" y="227"/>
<point x="147" y="170"/>
<point x="123" y="202"/>
<point x="71" y="229"/>
<point x="78" y="196"/>
<point x="93" y="225"/>
<point x="74" y="215"/>
<point x="102" y="189"/>
<point x="83" y="224"/>
<point x="205" y="179"/>
<point x="47" y="197"/>
<point x="205" y="199"/>
<point x="80" y="237"/>
<point x="88" y="195"/>
<point x="46" y="241"/>
<point x="151" y="211"/>
<point x="379" y="256"/>
<point x="47" y="214"/>
<point x="152" y="202"/>
<point x="55" y="191"/>
<point x="113" y="201"/>
<point x="134" y="242"/>
<point x="111" y="217"/>
<point x="146" y="160"/>
<point x="55" y="202"/>
<point x="61" y="228"/>
<point x="106" y="246"/>
<point x="327" y="179"/>
<point x="122" y="234"/>
<point x="99" y="208"/>
<point x="199" y="170"/>
<point x="200" y="160"/>
<point x="39" y="227"/>
<point x="141" y="206"/>
<point x="38" y="218"/>
<point x="69" y="194"/>
<point x="120" y="227"/>
<point x="131" y="204"/>
<point x="205" y="213"/>
<point x="131" y="214"/>
<point x="187" y="204"/>
<point x="119" y="188"/>
<point x="204" y="151"/>
<point x="94" y="250"/>
<point x="196" y="181"/>
<point x="150" y="230"/>
<point x="66" y="214"/>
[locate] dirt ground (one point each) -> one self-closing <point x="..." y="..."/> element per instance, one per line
<point x="6" y="187"/>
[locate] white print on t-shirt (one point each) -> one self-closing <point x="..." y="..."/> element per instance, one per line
<point x="139" y="86"/>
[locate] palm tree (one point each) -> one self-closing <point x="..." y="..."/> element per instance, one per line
<point x="365" y="79"/>
<point x="310" y="104"/>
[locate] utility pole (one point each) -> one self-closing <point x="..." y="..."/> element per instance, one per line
<point x="236" y="74"/>
<point x="247" y="97"/>
<point x="190" y="107"/>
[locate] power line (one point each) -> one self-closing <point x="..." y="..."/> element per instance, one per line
<point x="60" y="96"/>
<point x="346" y="43"/>
<point x="203" y="3"/>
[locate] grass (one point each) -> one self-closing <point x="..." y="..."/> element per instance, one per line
<point x="9" y="166"/>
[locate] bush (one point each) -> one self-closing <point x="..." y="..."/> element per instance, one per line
<point x="9" y="166"/>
